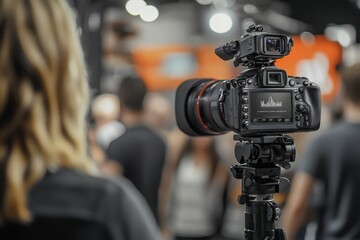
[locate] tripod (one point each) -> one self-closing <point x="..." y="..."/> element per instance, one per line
<point x="260" y="160"/>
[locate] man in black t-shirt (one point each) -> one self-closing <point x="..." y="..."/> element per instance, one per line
<point x="140" y="151"/>
<point x="332" y="159"/>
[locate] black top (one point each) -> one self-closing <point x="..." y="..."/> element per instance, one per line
<point x="97" y="207"/>
<point x="333" y="158"/>
<point x="141" y="152"/>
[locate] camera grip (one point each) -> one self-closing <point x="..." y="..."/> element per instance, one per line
<point x="312" y="97"/>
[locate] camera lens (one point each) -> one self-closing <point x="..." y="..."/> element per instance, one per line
<point x="198" y="109"/>
<point x="272" y="45"/>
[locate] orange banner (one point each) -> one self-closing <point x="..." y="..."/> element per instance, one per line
<point x="165" y="67"/>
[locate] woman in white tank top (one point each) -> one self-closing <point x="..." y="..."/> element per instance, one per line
<point x="197" y="191"/>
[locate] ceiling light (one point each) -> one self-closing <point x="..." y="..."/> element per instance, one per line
<point x="135" y="7"/>
<point x="204" y="2"/>
<point x="149" y="13"/>
<point x="220" y="23"/>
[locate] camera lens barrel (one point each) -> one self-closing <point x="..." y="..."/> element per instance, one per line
<point x="198" y="110"/>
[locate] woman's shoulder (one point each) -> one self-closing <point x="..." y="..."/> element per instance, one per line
<point x="79" y="179"/>
<point x="67" y="191"/>
<point x="123" y="206"/>
<point x="111" y="202"/>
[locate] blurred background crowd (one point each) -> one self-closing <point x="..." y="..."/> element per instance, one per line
<point x="137" y="52"/>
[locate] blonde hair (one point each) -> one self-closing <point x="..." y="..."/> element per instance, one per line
<point x="43" y="97"/>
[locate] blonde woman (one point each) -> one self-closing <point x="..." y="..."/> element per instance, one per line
<point x="47" y="190"/>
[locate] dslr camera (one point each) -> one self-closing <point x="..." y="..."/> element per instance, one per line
<point x="262" y="100"/>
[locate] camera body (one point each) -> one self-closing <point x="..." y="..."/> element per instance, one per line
<point x="262" y="100"/>
<point x="267" y="101"/>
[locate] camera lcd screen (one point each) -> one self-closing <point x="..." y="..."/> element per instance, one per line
<point x="272" y="45"/>
<point x="271" y="107"/>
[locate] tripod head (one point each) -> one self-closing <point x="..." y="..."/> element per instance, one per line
<point x="260" y="160"/>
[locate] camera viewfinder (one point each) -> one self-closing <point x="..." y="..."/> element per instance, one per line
<point x="273" y="45"/>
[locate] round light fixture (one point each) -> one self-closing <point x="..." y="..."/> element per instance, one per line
<point x="149" y="13"/>
<point x="204" y="2"/>
<point x="135" y="7"/>
<point x="220" y="23"/>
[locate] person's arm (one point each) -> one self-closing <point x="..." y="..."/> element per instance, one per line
<point x="114" y="162"/>
<point x="296" y="209"/>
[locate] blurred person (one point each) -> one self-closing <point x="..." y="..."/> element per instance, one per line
<point x="47" y="186"/>
<point x="158" y="115"/>
<point x="176" y="141"/>
<point x="333" y="160"/>
<point x="140" y="150"/>
<point x="198" y="184"/>
<point x="158" y="112"/>
<point x="105" y="110"/>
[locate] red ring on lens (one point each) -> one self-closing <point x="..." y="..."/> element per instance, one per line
<point x="198" y="104"/>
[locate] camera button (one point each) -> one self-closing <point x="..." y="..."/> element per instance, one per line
<point x="245" y="100"/>
<point x="242" y="82"/>
<point x="279" y="119"/>
<point x="306" y="124"/>
<point x="306" y="118"/>
<point x="287" y="120"/>
<point x="245" y="116"/>
<point x="245" y="109"/>
<point x="297" y="118"/>
<point x="298" y="124"/>
<point x="264" y="120"/>
<point x="301" y="89"/>
<point x="300" y="108"/>
<point x="297" y="96"/>
<point x="270" y="120"/>
<point x="246" y="124"/>
<point x="249" y="81"/>
<point x="306" y="83"/>
<point x="244" y="92"/>
<point x="292" y="83"/>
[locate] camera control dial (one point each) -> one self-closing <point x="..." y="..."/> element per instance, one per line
<point x="302" y="108"/>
